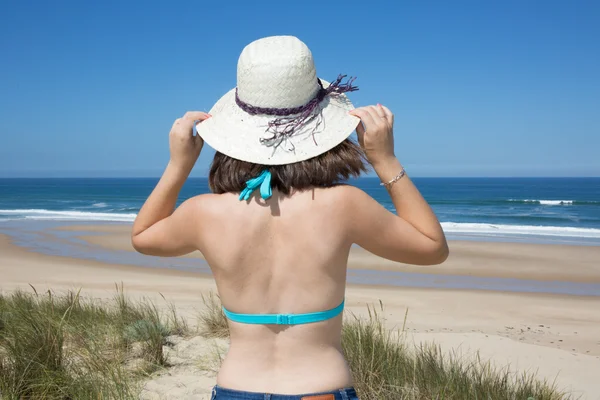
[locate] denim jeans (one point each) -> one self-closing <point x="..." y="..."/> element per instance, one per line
<point x="220" y="393"/>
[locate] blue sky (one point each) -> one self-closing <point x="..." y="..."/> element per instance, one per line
<point x="479" y="88"/>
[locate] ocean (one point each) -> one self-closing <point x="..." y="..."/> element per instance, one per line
<point x="556" y="210"/>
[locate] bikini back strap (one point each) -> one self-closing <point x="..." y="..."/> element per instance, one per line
<point x="284" y="319"/>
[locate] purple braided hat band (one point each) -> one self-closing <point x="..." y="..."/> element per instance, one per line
<point x="290" y="119"/>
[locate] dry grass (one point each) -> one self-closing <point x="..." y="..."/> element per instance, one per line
<point x="385" y="366"/>
<point x="213" y="322"/>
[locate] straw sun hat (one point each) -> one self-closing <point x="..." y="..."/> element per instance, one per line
<point x="280" y="112"/>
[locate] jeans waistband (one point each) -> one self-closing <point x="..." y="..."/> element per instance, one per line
<point x="220" y="393"/>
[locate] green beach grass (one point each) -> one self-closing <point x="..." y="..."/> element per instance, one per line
<point x="68" y="347"/>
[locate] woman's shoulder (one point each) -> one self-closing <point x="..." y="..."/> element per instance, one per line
<point x="345" y="196"/>
<point x="211" y="203"/>
<point x="347" y="192"/>
<point x="346" y="189"/>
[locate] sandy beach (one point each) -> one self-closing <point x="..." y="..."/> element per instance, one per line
<point x="557" y="336"/>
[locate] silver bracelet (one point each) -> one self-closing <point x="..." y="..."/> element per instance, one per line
<point x="394" y="179"/>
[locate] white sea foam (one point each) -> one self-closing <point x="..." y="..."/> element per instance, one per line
<point x="530" y="230"/>
<point x="546" y="202"/>
<point x="40" y="214"/>
<point x="556" y="202"/>
<point x="481" y="229"/>
<point x="99" y="205"/>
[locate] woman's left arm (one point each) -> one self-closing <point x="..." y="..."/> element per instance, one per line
<point x="159" y="229"/>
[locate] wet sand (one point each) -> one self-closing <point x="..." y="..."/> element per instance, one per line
<point x="482" y="259"/>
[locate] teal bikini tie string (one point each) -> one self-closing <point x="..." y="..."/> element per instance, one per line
<point x="263" y="181"/>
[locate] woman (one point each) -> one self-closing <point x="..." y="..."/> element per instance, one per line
<point x="278" y="228"/>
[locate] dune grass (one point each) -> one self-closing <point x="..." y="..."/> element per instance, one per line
<point x="385" y="366"/>
<point x="65" y="347"/>
<point x="213" y="322"/>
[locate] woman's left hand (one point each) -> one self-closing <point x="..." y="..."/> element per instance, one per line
<point x="185" y="147"/>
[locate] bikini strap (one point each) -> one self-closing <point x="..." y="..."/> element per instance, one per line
<point x="284" y="319"/>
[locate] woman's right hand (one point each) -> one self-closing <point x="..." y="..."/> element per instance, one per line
<point x="416" y="237"/>
<point x="376" y="133"/>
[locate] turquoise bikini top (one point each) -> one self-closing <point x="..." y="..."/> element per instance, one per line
<point x="264" y="182"/>
<point x="284" y="319"/>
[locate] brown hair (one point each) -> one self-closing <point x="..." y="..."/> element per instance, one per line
<point x="328" y="169"/>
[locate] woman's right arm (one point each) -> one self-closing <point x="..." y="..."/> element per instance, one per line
<point x="414" y="235"/>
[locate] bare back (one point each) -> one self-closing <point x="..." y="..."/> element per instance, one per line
<point x="285" y="255"/>
<point x="288" y="254"/>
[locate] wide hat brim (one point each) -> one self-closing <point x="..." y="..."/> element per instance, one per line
<point x="237" y="134"/>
